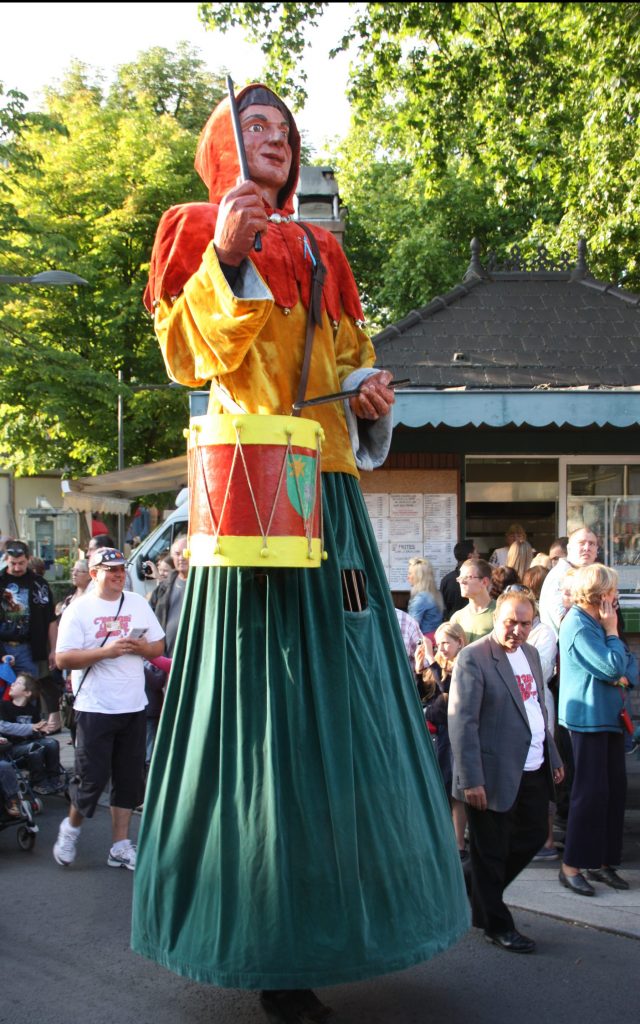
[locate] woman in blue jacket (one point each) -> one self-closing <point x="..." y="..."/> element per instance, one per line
<point x="596" y="668"/>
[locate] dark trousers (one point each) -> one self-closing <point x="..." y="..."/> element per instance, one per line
<point x="109" y="745"/>
<point x="598" y="793"/>
<point x="501" y="844"/>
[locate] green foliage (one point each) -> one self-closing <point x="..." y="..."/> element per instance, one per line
<point x="512" y="122"/>
<point x="86" y="183"/>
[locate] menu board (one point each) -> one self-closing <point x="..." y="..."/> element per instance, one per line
<point x="414" y="526"/>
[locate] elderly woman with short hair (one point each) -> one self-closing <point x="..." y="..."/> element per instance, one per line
<point x="596" y="669"/>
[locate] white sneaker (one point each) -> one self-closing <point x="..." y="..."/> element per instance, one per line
<point x="125" y="857"/>
<point x="64" y="850"/>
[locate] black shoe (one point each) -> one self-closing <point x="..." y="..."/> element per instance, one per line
<point x="609" y="876"/>
<point x="293" y="1006"/>
<point x="577" y="883"/>
<point x="513" y="941"/>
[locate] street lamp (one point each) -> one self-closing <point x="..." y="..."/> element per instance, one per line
<point x="57" y="278"/>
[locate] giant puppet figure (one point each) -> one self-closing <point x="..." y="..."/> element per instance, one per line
<point x="296" y="832"/>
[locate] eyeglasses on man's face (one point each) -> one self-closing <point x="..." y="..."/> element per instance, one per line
<point x="465" y="579"/>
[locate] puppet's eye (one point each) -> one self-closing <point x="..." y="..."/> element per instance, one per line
<point x="255" y="128"/>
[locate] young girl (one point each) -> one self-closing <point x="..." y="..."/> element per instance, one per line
<point x="436" y="670"/>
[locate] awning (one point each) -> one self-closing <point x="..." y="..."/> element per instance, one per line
<point x="414" y="407"/>
<point x="499" y="408"/>
<point x="94" y="503"/>
<point x="114" y="492"/>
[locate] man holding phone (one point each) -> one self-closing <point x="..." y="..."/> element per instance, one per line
<point x="103" y="639"/>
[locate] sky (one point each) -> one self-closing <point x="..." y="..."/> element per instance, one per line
<point x="39" y="40"/>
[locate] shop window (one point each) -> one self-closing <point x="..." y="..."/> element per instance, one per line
<point x="607" y="500"/>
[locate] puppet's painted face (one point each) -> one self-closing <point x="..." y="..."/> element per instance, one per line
<point x="266" y="138"/>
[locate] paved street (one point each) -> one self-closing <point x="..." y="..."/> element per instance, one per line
<point x="66" y="960"/>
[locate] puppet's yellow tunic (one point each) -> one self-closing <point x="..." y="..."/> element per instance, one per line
<point x="296" y="832"/>
<point x="257" y="354"/>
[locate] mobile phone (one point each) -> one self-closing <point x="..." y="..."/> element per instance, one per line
<point x="137" y="634"/>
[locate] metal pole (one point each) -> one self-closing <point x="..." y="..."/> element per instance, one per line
<point x="120" y="454"/>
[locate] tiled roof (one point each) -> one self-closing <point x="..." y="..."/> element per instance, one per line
<point x="519" y="329"/>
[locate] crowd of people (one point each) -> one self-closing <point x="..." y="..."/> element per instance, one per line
<point x="525" y="691"/>
<point x="438" y="624"/>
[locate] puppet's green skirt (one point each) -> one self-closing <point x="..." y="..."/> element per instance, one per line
<point x="296" y="831"/>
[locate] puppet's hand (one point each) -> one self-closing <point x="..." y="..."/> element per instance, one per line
<point x="240" y="216"/>
<point x="375" y="398"/>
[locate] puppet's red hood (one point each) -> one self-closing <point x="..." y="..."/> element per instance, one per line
<point x="217" y="160"/>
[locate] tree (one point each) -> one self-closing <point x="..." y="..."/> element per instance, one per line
<point x="174" y="83"/>
<point x="88" y="183"/>
<point x="527" y="113"/>
<point x="14" y="120"/>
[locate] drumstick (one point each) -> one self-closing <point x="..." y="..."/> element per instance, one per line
<point x="338" y="395"/>
<point x="242" y="156"/>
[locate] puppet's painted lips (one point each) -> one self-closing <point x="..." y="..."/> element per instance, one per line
<point x="274" y="158"/>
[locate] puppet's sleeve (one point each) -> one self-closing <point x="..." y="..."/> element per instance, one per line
<point x="208" y="329"/>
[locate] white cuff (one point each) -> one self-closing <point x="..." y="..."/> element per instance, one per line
<point x="370" y="439"/>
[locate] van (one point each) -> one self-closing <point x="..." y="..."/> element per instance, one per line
<point x="157" y="543"/>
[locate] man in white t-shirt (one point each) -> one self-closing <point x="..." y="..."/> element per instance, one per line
<point x="504" y="761"/>
<point x="103" y="639"/>
<point x="582" y="549"/>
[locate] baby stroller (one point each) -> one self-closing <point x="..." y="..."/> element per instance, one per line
<point x="29" y="805"/>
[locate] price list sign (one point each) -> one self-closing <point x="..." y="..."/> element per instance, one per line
<point x="413" y="525"/>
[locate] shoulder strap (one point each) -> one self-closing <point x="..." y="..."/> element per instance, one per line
<point x="314" y="318"/>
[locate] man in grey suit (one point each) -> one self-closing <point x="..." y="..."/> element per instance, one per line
<point x="504" y="761"/>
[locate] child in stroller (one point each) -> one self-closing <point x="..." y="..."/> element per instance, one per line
<point x="20" y="722"/>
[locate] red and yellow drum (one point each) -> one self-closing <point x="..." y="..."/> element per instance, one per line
<point x="255" y="491"/>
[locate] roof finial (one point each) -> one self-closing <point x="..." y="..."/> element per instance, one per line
<point x="475" y="268"/>
<point x="581" y="269"/>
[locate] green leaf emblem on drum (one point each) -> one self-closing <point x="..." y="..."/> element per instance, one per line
<point x="301" y="483"/>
